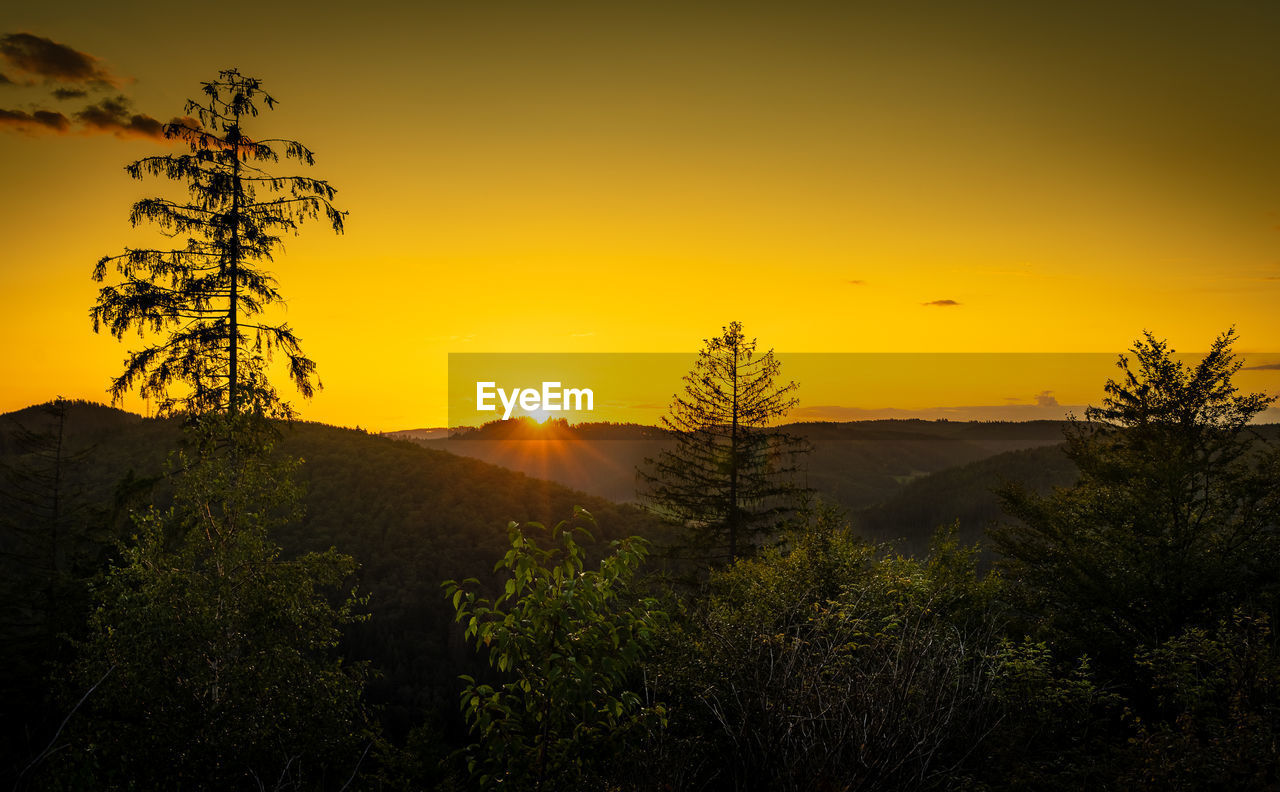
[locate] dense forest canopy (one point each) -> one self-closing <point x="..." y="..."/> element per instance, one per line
<point x="797" y="630"/>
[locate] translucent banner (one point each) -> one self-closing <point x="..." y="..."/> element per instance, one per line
<point x="639" y="388"/>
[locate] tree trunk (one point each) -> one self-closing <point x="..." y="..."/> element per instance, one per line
<point x="233" y="323"/>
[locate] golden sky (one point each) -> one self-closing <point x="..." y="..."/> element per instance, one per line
<point x="629" y="177"/>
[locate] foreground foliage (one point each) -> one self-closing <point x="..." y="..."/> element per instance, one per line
<point x="831" y="666"/>
<point x="566" y="642"/>
<point x="1175" y="521"/>
<point x="1097" y="655"/>
<point x="233" y="645"/>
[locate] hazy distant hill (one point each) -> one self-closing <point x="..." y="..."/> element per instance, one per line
<point x="967" y="494"/>
<point x="418" y="434"/>
<point x="863" y="463"/>
<point x="597" y="458"/>
<point x="856" y="464"/>
<point x="963" y="495"/>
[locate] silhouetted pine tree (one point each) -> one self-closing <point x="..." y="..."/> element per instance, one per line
<point x="210" y="660"/>
<point x="202" y="298"/>
<point x="728" y="478"/>
<point x="1175" y="520"/>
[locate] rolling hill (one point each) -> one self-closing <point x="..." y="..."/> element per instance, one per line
<point x="414" y="513"/>
<point x="855" y="465"/>
<point x="411" y="516"/>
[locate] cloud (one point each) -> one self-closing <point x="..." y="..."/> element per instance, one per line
<point x="37" y="122"/>
<point x="43" y="58"/>
<point x="1045" y="408"/>
<point x="1046" y="399"/>
<point x="114" y="116"/>
<point x="856" y="282"/>
<point x="940" y="303"/>
<point x="70" y="74"/>
<point x="1264" y="367"/>
<point x="976" y="412"/>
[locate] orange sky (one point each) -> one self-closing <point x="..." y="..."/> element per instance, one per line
<point x="628" y="177"/>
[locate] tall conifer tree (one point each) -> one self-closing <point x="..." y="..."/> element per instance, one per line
<point x="200" y="302"/>
<point x="1175" y="521"/>
<point x="728" y="477"/>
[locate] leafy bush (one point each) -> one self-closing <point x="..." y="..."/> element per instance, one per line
<point x="832" y="666"/>
<point x="565" y="642"/>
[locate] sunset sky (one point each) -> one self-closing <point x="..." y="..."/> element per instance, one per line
<point x="629" y="177"/>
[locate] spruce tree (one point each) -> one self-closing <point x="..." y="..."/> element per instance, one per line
<point x="1175" y="520"/>
<point x="198" y="305"/>
<point x="210" y="659"/>
<point x="728" y="477"/>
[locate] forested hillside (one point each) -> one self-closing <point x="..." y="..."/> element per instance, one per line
<point x="965" y="496"/>
<point x="411" y="517"/>
<point x="918" y="654"/>
<point x="968" y="495"/>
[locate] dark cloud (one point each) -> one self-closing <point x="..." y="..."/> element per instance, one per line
<point x="1264" y="367"/>
<point x="940" y="303"/>
<point x="37" y="122"/>
<point x="114" y="115"/>
<point x="43" y="58"/>
<point x="856" y="282"/>
<point x="72" y="74"/>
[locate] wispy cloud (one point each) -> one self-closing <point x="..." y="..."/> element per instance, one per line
<point x="1264" y="367"/>
<point x="856" y="282"/>
<point x="940" y="303"/>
